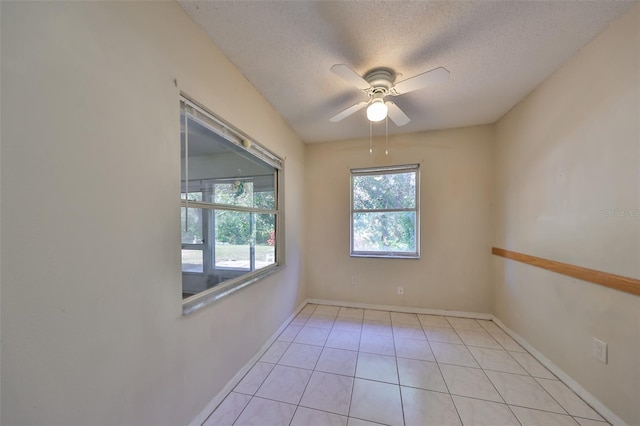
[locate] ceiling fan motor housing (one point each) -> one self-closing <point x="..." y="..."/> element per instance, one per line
<point x="381" y="80"/>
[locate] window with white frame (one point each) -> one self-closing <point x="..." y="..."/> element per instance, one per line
<point x="385" y="212"/>
<point x="229" y="207"/>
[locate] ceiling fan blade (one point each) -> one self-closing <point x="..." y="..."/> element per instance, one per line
<point x="420" y="81"/>
<point x="347" y="112"/>
<point x="397" y="115"/>
<point x="350" y="76"/>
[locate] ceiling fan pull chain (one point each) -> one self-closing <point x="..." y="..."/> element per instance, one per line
<point x="370" y="143"/>
<point x="386" y="135"/>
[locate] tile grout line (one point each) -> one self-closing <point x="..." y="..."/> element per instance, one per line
<point x="198" y="420"/>
<point x="485" y="375"/>
<point x="446" y="385"/>
<point x="307" y="384"/>
<point x="439" y="369"/>
<point x="353" y="384"/>
<point x="404" y="418"/>
<point x="253" y="395"/>
<point x="310" y="377"/>
<point x="552" y="397"/>
<point x="355" y="372"/>
<point x="276" y="364"/>
<point x="305" y="388"/>
<point x="602" y="410"/>
<point x="239" y="414"/>
<point x="527" y="375"/>
<point x="337" y="374"/>
<point x="482" y="368"/>
<point x="490" y="381"/>
<point x="563" y="407"/>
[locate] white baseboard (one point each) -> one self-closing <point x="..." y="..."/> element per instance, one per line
<point x="602" y="409"/>
<point x="213" y="404"/>
<point x="392" y="308"/>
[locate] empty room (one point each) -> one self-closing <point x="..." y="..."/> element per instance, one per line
<point x="320" y="213"/>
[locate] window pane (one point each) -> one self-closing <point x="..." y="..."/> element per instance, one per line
<point x="192" y="261"/>
<point x="233" y="239"/>
<point x="384" y="232"/>
<point x="192" y="229"/>
<point x="264" y="192"/>
<point x="252" y="191"/>
<point x="265" y="240"/>
<point x="236" y="193"/>
<point x="193" y="196"/>
<point x="384" y="191"/>
<point x="211" y="159"/>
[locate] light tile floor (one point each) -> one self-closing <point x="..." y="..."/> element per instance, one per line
<point x="357" y="367"/>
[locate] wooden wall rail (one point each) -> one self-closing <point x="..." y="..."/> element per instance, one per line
<point x="618" y="282"/>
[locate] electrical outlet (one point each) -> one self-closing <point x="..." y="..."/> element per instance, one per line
<point x="354" y="280"/>
<point x="400" y="290"/>
<point x="599" y="349"/>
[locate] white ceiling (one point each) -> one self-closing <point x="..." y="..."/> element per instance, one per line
<point x="497" y="52"/>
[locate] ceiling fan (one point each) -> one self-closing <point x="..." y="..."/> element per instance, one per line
<point x="379" y="83"/>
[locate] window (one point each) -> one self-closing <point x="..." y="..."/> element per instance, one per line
<point x="385" y="211"/>
<point x="229" y="208"/>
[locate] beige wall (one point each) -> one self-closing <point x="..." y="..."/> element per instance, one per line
<point x="92" y="331"/>
<point x="454" y="269"/>
<point x="565" y="156"/>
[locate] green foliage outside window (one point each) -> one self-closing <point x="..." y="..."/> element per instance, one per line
<point x="235" y="227"/>
<point x="384" y="191"/>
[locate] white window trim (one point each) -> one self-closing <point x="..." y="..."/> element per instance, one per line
<point x="386" y="170"/>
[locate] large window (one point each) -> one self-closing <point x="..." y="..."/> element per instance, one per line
<point x="229" y="207"/>
<point x="385" y="212"/>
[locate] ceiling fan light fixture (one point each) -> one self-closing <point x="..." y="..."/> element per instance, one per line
<point x="377" y="111"/>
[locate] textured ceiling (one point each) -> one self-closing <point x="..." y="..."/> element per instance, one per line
<point x="497" y="52"/>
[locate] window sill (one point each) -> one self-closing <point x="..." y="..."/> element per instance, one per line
<point x="200" y="300"/>
<point x="387" y="255"/>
